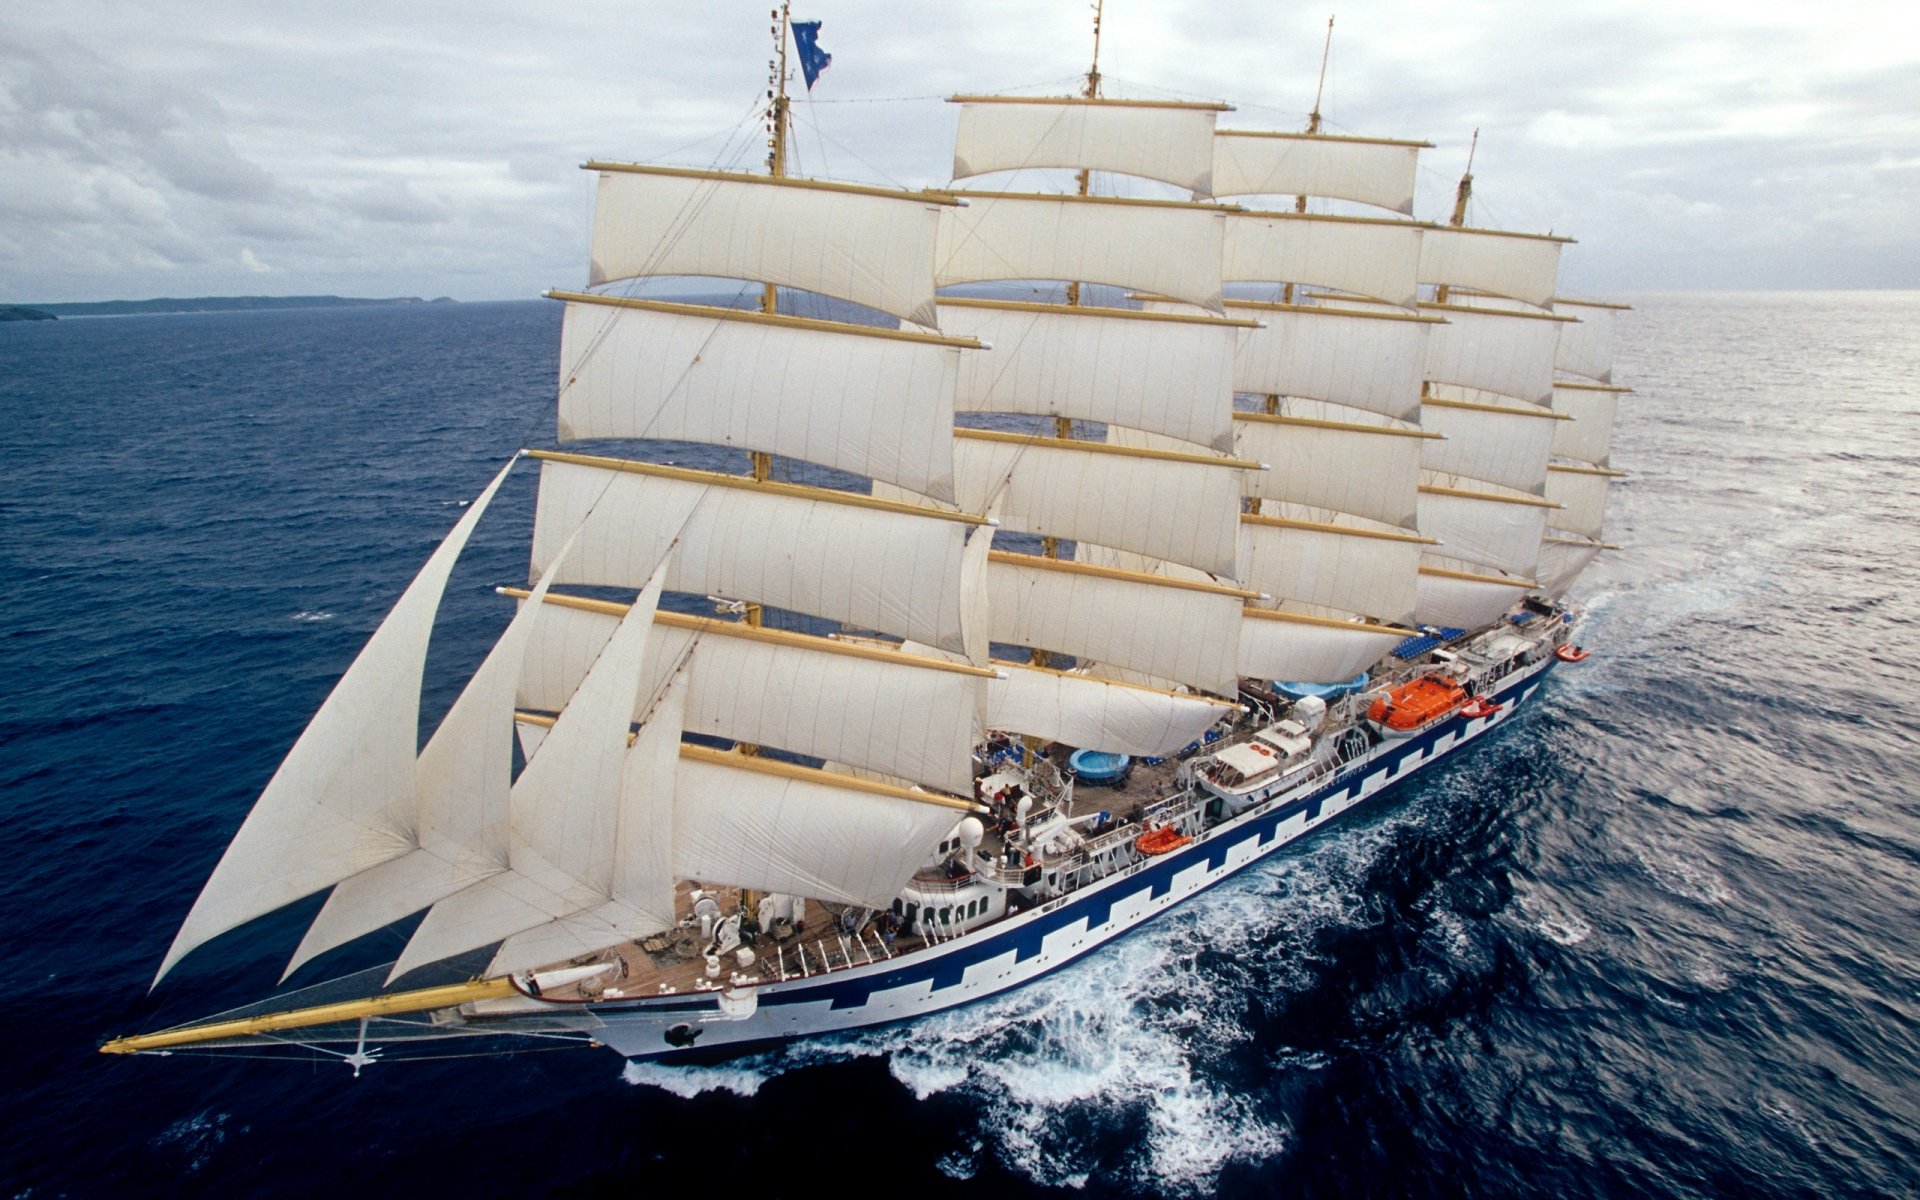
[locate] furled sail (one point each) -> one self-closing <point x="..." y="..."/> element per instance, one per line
<point x="1102" y="714"/>
<point x="1370" y="359"/>
<point x="1521" y="266"/>
<point x="1169" y="374"/>
<point x="1377" y="171"/>
<point x="564" y="811"/>
<point x="1371" y="257"/>
<point x="776" y="827"/>
<point x="1505" y="444"/>
<point x="343" y="799"/>
<point x="1167" y="140"/>
<point x="1483" y="525"/>
<point x="902" y="715"/>
<point x="1168" y="628"/>
<point x="1588" y="437"/>
<point x="869" y="563"/>
<point x="873" y="402"/>
<point x="1494" y="350"/>
<point x="873" y="246"/>
<point x="1322" y="458"/>
<point x="1352" y="567"/>
<point x="1310" y="649"/>
<point x="1165" y="246"/>
<point x="1180" y="507"/>
<point x="1587" y="348"/>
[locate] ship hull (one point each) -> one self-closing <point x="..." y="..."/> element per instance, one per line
<point x="1014" y="952"/>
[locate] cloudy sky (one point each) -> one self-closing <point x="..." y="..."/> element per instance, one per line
<point x="161" y="147"/>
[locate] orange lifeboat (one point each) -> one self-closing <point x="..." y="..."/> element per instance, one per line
<point x="1479" y="707"/>
<point x="1415" y="704"/>
<point x="1571" y="653"/>
<point x="1161" y="840"/>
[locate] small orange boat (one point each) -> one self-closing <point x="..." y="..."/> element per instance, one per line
<point x="1572" y="653"/>
<point x="1161" y="840"/>
<point x="1479" y="707"/>
<point x="1415" y="705"/>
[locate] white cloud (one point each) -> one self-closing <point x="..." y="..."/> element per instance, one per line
<point x="367" y="147"/>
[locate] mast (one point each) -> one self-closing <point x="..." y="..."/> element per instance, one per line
<point x="776" y="167"/>
<point x="1063" y="426"/>
<point x="1313" y="118"/>
<point x="1083" y="187"/>
<point x="1300" y="201"/>
<point x="1461" y="195"/>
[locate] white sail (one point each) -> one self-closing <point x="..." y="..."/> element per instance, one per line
<point x="1589" y="436"/>
<point x="1169" y="374"/>
<point x="1481" y="525"/>
<point x="1100" y="714"/>
<point x="868" y="401"/>
<point x="1295" y="647"/>
<point x="832" y="554"/>
<point x="1521" y="266"/>
<point x="1503" y="444"/>
<point x="1320" y="460"/>
<point x="342" y="800"/>
<point x="901" y="715"/>
<point x="640" y="897"/>
<point x="1587" y="348"/>
<point x="1371" y="257"/>
<point x="1148" y="245"/>
<point x="1179" y="507"/>
<point x="1351" y="568"/>
<point x="564" y="814"/>
<point x="1583" y="493"/>
<point x="1561" y="561"/>
<point x="1376" y="171"/>
<point x="1454" y="595"/>
<point x="1162" y="627"/>
<point x="778" y="828"/>
<point x="1494" y="350"/>
<point x="1170" y="141"/>
<point x="868" y="245"/>
<point x="1367" y="359"/>
<point x="462" y="785"/>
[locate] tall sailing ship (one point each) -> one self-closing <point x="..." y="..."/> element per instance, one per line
<point x="1240" y="513"/>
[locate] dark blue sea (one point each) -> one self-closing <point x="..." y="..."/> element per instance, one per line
<point x="1658" y="937"/>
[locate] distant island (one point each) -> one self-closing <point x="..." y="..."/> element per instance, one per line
<point x="202" y="304"/>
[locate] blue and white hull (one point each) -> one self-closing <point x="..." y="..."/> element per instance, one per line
<point x="1021" y="948"/>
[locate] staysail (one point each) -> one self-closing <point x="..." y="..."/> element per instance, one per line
<point x="343" y="800"/>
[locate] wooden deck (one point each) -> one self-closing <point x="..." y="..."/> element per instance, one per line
<point x="673" y="962"/>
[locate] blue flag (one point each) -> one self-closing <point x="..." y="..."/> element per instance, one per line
<point x="813" y="60"/>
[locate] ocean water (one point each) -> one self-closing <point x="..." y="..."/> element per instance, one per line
<point x="1658" y="937"/>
